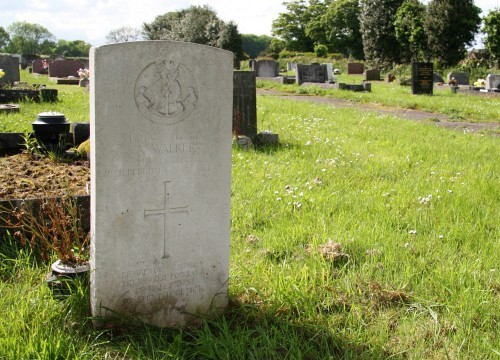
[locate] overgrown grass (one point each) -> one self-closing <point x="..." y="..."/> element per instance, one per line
<point x="458" y="107"/>
<point x="73" y="101"/>
<point x="360" y="236"/>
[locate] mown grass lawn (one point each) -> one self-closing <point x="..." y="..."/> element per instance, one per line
<point x="359" y="236"/>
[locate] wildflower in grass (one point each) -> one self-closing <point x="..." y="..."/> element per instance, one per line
<point x="440" y="236"/>
<point x="412" y="232"/>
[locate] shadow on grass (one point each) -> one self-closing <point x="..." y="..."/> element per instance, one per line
<point x="244" y="332"/>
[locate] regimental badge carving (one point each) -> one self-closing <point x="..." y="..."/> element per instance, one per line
<point x="166" y="92"/>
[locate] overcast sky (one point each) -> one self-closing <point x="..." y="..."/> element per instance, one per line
<point x="92" y="20"/>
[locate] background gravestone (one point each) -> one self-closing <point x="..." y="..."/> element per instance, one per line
<point x="462" y="78"/>
<point x="314" y="73"/>
<point x="355" y="68"/>
<point x="160" y="180"/>
<point x="65" y="68"/>
<point x="422" y="75"/>
<point x="492" y="81"/>
<point x="38" y="66"/>
<point x="265" y="68"/>
<point x="10" y="65"/>
<point x="372" y="75"/>
<point x="244" y="104"/>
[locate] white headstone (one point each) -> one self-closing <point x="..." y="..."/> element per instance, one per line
<point x="492" y="81"/>
<point x="329" y="71"/>
<point x="161" y="116"/>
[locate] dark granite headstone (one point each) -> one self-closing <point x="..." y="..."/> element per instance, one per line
<point x="355" y="68"/>
<point x="314" y="73"/>
<point x="372" y="75"/>
<point x="422" y="78"/>
<point x="461" y="78"/>
<point x="65" y="68"/>
<point x="10" y="66"/>
<point x="244" y="104"/>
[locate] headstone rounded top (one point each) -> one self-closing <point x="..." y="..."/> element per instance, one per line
<point x="50" y="117"/>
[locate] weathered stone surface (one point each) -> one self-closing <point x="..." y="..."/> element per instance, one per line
<point x="10" y="65"/>
<point x="160" y="180"/>
<point x="265" y="68"/>
<point x="244" y="103"/>
<point x="355" y="68"/>
<point x="492" y="81"/>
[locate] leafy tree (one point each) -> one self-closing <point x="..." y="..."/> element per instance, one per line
<point x="410" y="32"/>
<point x="380" y="45"/>
<point x="492" y="30"/>
<point x="290" y="26"/>
<point x="197" y="24"/>
<point x="4" y="38"/>
<point x="315" y="27"/>
<point x="342" y="28"/>
<point x="123" y="34"/>
<point x="27" y="38"/>
<point x="75" y="48"/>
<point x="451" y="26"/>
<point x="255" y="45"/>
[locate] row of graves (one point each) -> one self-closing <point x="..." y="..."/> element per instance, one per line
<point x="315" y="74"/>
<point x="13" y="91"/>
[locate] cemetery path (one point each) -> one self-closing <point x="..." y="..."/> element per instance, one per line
<point x="407" y="114"/>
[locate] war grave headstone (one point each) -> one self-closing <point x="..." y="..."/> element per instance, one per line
<point x="461" y="78"/>
<point x="10" y="65"/>
<point x="160" y="180"/>
<point x="354" y="68"/>
<point x="265" y="68"/>
<point x="244" y="104"/>
<point x="422" y="78"/>
<point x="372" y="75"/>
<point x="65" y="68"/>
<point x="314" y="73"/>
<point x="492" y="82"/>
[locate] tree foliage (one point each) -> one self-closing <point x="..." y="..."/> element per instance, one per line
<point x="341" y="27"/>
<point x="451" y="26"/>
<point x="74" y="48"/>
<point x="27" y="38"/>
<point x="410" y="32"/>
<point x="255" y="45"/>
<point x="197" y="24"/>
<point x="123" y="34"/>
<point x="4" y="38"/>
<point x="492" y="30"/>
<point x="380" y="44"/>
<point x="290" y="26"/>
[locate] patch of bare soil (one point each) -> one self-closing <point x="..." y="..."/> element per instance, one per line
<point x="23" y="176"/>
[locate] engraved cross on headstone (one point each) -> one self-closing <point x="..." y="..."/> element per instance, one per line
<point x="165" y="211"/>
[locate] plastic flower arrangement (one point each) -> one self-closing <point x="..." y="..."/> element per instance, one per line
<point x="84" y="73"/>
<point x="480" y="83"/>
<point x="2" y="73"/>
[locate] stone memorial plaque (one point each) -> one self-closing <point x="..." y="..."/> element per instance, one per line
<point x="422" y="78"/>
<point x="160" y="180"/>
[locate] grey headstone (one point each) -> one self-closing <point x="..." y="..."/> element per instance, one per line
<point x="492" y="81"/>
<point x="160" y="180"/>
<point x="461" y="78"/>
<point x="265" y="68"/>
<point x="372" y="75"/>
<point x="65" y="68"/>
<point x="437" y="78"/>
<point x="244" y="103"/>
<point x="81" y="132"/>
<point x="314" y="73"/>
<point x="10" y="65"/>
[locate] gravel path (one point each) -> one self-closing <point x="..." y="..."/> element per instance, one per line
<point x="408" y="114"/>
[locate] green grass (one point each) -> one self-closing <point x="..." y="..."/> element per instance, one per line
<point x="413" y="211"/>
<point x="459" y="107"/>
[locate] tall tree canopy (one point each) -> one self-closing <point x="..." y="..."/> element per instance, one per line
<point x="123" y="34"/>
<point x="341" y="28"/>
<point x="4" y="38"/>
<point x="74" y="48"/>
<point x="451" y="26"/>
<point x="197" y="24"/>
<point x="290" y="26"/>
<point x="27" y="38"/>
<point x="380" y="44"/>
<point x="410" y="32"/>
<point x="492" y="30"/>
<point x="255" y="45"/>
